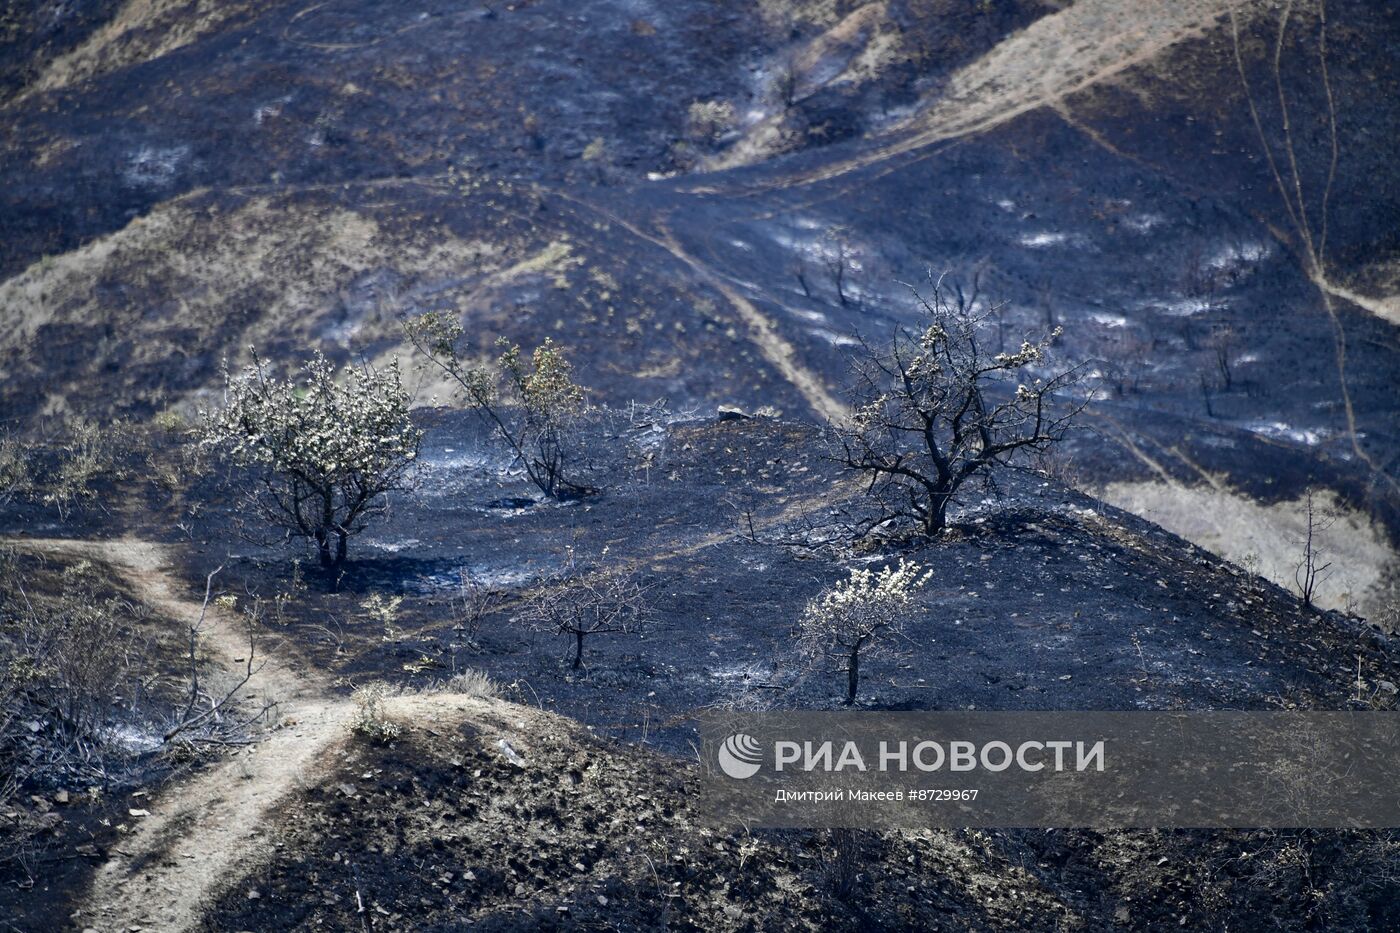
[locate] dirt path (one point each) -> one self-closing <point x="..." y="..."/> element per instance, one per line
<point x="200" y="832"/>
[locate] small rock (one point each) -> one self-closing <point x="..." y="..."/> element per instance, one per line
<point x="61" y="797"/>
<point x="138" y="812"/>
<point x="347" y="790"/>
<point x="511" y="754"/>
<point x="254" y="894"/>
<point x="730" y="413"/>
<point x="1386" y="686"/>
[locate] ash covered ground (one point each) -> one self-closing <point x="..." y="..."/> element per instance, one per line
<point x="707" y="202"/>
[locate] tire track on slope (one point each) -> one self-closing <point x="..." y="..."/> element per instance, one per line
<point x="763" y="332"/>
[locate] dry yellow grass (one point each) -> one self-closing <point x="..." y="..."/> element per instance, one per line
<point x="142" y="30"/>
<point x="1057" y="55"/>
<point x="283" y="266"/>
<point x="1268" y="538"/>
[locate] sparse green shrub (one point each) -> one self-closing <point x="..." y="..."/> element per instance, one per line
<point x="858" y="617"/>
<point x="68" y="661"/>
<point x="326" y="448"/>
<point x="16" y="479"/>
<point x="370" y="719"/>
<point x="384" y="613"/>
<point x="87" y="453"/>
<point x="170" y="419"/>
<point x="710" y="119"/>
<point x="533" y="406"/>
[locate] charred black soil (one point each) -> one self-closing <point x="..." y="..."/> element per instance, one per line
<point x="705" y="202"/>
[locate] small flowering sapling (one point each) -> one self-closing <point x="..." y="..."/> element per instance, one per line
<point x="597" y="602"/>
<point x="533" y="405"/>
<point x="858" y="617"/>
<point x="325" y="451"/>
<point x="384" y="613"/>
<point x="936" y="409"/>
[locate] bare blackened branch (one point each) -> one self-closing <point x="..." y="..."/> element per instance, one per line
<point x="935" y="408"/>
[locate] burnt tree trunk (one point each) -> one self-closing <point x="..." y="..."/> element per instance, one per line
<point x="852" y="676"/>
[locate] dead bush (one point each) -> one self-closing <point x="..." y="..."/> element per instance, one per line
<point x="87" y="452"/>
<point x="71" y="668"/>
<point x="473" y="683"/>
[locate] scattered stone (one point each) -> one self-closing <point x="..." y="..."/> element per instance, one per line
<point x="730" y="413"/>
<point x="511" y="754"/>
<point x="61" y="797"/>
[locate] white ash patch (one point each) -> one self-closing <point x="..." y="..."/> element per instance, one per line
<point x="1184" y="307"/>
<point x="751" y="672"/>
<point x="484" y="575"/>
<point x="1144" y="223"/>
<point x="1282" y="431"/>
<point x="1234" y="256"/>
<point x="153" y="166"/>
<point x="1048" y="238"/>
<point x="135" y="740"/>
<point x="816" y="317"/>
<point x="833" y="338"/>
<point x="393" y="547"/>
<point x="270" y="111"/>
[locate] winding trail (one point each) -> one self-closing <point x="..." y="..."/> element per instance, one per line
<point x="202" y="832"/>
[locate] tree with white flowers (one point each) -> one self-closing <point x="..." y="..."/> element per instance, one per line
<point x="859" y="617"/>
<point x="325" y="447"/>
